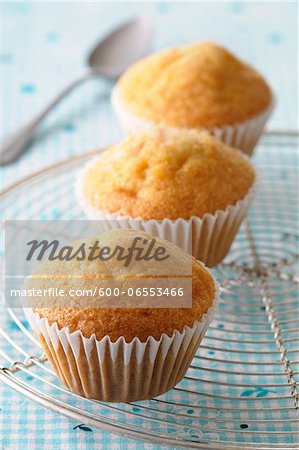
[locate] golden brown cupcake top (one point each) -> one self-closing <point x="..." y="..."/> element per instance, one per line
<point x="116" y="322"/>
<point x="167" y="174"/>
<point x="198" y="85"/>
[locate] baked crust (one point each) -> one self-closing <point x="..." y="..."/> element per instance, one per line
<point x="116" y="322"/>
<point x="198" y="85"/>
<point x="167" y="174"/>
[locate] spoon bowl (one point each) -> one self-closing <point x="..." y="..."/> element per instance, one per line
<point x="121" y="48"/>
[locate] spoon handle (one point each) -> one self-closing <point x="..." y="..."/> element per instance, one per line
<point x="14" y="145"/>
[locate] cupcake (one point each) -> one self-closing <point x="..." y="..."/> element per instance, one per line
<point x="180" y="185"/>
<point x="114" y="353"/>
<point x="201" y="86"/>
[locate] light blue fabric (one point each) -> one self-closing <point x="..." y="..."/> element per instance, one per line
<point x="44" y="46"/>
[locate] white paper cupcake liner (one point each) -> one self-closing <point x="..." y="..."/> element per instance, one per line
<point x="243" y="136"/>
<point x="207" y="238"/>
<point x="119" y="371"/>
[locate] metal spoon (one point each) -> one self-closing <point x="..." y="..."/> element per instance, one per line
<point x="109" y="59"/>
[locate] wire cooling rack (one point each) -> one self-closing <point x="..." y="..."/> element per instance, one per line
<point x="241" y="389"/>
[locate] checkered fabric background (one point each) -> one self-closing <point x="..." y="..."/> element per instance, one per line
<point x="44" y="46"/>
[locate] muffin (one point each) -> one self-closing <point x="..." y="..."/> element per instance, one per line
<point x="115" y="353"/>
<point x="196" y="86"/>
<point x="181" y="185"/>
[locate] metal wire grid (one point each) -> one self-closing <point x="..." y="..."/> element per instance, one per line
<point x="241" y="389"/>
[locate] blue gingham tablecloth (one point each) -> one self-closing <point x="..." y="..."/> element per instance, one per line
<point x="43" y="47"/>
